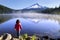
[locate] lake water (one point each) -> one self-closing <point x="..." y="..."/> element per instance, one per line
<point x="32" y="26"/>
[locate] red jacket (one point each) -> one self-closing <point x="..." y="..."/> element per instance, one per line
<point x="18" y="27"/>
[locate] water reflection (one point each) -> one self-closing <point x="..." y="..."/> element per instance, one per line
<point x="32" y="26"/>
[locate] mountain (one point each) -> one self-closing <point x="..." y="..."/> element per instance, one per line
<point x="4" y="9"/>
<point x="34" y="8"/>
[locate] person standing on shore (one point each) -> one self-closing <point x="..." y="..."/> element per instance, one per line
<point x="18" y="27"/>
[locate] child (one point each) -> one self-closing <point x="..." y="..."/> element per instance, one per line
<point x="18" y="27"/>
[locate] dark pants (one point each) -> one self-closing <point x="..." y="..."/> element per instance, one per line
<point x="18" y="34"/>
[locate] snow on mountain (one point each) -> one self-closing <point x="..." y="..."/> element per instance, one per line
<point x="35" y="6"/>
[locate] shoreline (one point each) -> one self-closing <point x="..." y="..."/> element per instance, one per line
<point x="8" y="36"/>
<point x="31" y="15"/>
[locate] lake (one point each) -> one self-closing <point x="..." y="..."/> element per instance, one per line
<point x="32" y="23"/>
<point x="32" y="26"/>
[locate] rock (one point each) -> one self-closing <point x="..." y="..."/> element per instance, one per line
<point x="1" y="37"/>
<point x="6" y="36"/>
<point x="15" y="39"/>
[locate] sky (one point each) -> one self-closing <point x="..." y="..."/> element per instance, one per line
<point x="20" y="4"/>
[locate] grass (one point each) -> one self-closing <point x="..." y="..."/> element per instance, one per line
<point x="26" y="37"/>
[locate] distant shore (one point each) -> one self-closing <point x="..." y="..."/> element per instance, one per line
<point x="30" y="15"/>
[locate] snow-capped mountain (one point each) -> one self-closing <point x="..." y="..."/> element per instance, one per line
<point x="34" y="8"/>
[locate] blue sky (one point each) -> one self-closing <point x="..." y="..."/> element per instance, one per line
<point x="20" y="4"/>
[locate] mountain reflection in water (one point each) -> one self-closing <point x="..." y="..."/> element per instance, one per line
<point x="32" y="26"/>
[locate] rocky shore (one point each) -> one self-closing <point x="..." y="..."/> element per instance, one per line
<point x="8" y="36"/>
